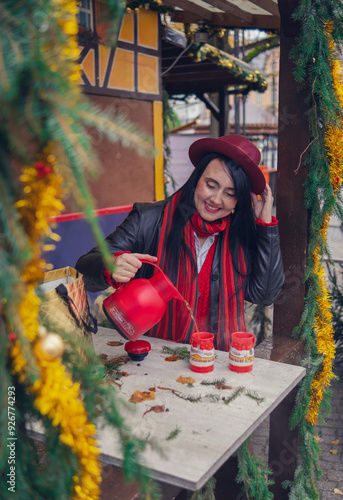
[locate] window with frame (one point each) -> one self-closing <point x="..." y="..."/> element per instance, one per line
<point x="85" y="15"/>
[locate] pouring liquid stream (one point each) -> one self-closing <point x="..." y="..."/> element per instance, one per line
<point x="191" y="314"/>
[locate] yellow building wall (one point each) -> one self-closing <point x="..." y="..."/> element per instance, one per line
<point x="130" y="71"/>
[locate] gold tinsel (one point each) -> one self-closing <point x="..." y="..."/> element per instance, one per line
<point x="323" y="321"/>
<point x="55" y="393"/>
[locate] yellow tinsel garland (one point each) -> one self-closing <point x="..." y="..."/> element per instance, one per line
<point x="323" y="321"/>
<point x="56" y="395"/>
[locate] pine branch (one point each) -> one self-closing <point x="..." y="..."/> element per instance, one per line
<point x="237" y="392"/>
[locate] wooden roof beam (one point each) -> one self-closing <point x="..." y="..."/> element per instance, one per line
<point x="267" y="5"/>
<point x="229" y="8"/>
<point x="191" y="8"/>
<point x="227" y="20"/>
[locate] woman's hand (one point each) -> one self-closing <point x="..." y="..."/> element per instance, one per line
<point x="127" y="264"/>
<point x="263" y="205"/>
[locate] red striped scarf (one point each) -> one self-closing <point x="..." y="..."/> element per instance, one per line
<point x="177" y="324"/>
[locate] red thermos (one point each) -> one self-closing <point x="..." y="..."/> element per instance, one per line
<point x="137" y="306"/>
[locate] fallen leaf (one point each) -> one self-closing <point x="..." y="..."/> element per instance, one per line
<point x="114" y="382"/>
<point x="156" y="409"/>
<point x="173" y="357"/>
<point x="223" y="386"/>
<point x="335" y="442"/>
<point x="103" y="356"/>
<point x="337" y="491"/>
<point x="185" y="380"/>
<point x="334" y="452"/>
<point x="115" y="343"/>
<point x="138" y="396"/>
<point x="152" y="389"/>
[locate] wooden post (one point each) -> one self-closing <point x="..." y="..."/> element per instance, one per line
<point x="293" y="141"/>
<point x="224" y="111"/>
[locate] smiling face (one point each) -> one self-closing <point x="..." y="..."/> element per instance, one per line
<point x="214" y="196"/>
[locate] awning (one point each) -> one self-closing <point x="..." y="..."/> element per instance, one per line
<point x="255" y="14"/>
<point x="198" y="69"/>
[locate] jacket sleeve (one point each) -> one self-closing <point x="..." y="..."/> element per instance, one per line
<point x="128" y="236"/>
<point x="266" y="280"/>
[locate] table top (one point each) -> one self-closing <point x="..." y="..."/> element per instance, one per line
<point x="207" y="432"/>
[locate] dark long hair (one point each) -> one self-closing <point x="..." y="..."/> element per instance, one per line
<point x="242" y="228"/>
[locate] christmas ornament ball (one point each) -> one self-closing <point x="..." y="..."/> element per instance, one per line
<point x="51" y="346"/>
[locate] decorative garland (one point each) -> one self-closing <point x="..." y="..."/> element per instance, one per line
<point x="155" y="5"/>
<point x="40" y="97"/>
<point x="254" y="79"/>
<point x="314" y="57"/>
<point x="55" y="394"/>
<point x="266" y="44"/>
<point x="323" y="322"/>
<point x="253" y="474"/>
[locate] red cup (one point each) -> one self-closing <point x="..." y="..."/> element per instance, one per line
<point x="241" y="355"/>
<point x="202" y="352"/>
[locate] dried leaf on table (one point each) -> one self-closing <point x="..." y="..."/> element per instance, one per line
<point x="115" y="343"/>
<point x="337" y="491"/>
<point x="103" y="356"/>
<point x="114" y="382"/>
<point x="152" y="389"/>
<point x="173" y="357"/>
<point x="221" y="387"/>
<point x="334" y="452"/>
<point x="335" y="442"/>
<point x="185" y="380"/>
<point x="156" y="409"/>
<point x="138" y="396"/>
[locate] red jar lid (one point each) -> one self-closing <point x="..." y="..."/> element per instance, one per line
<point x="137" y="347"/>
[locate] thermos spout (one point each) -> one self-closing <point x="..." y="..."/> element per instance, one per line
<point x="165" y="287"/>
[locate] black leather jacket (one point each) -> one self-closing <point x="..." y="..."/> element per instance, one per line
<point x="140" y="233"/>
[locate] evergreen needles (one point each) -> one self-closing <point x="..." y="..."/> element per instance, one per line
<point x="43" y="120"/>
<point x="237" y="392"/>
<point x="173" y="434"/>
<point x="315" y="57"/>
<point x="253" y="474"/>
<point x="181" y="352"/>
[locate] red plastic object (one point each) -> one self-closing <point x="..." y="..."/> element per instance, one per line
<point x="241" y="354"/>
<point x="140" y="304"/>
<point x="138" y="349"/>
<point x="202" y="352"/>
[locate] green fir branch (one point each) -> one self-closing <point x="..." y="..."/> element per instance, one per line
<point x="253" y="395"/>
<point x="311" y="56"/>
<point x="218" y="381"/>
<point x="238" y="392"/>
<point x="253" y="475"/>
<point x="207" y="492"/>
<point x="173" y="434"/>
<point x="182" y="352"/>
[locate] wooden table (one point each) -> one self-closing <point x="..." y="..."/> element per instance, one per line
<point x="209" y="432"/>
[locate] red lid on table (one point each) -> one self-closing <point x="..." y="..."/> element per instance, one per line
<point x="137" y="347"/>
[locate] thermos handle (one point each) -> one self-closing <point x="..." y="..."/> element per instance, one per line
<point x="145" y="261"/>
<point x="177" y="293"/>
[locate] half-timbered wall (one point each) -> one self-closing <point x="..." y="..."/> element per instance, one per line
<point x="126" y="80"/>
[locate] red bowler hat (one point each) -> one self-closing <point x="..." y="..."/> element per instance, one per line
<point x="239" y="149"/>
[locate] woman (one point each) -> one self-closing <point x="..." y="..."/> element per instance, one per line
<point x="206" y="239"/>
